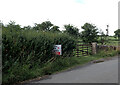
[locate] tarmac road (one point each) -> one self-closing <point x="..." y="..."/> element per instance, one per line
<point x="103" y="72"/>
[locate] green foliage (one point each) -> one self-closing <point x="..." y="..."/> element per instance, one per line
<point x="27" y="27"/>
<point x="89" y="33"/>
<point x="12" y="25"/>
<point x="117" y="33"/>
<point x="26" y="51"/>
<point x="71" y="30"/>
<point x="112" y="41"/>
<point x="55" y="29"/>
<point x="105" y="54"/>
<point x="44" y="26"/>
<point x="30" y="48"/>
<point x="67" y="43"/>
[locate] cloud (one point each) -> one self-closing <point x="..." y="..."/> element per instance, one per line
<point x="60" y="12"/>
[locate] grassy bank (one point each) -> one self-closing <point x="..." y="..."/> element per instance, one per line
<point x="21" y="73"/>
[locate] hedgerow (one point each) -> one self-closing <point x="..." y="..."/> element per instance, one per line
<point x="31" y="48"/>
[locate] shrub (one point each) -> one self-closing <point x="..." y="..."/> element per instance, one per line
<point x="31" y="48"/>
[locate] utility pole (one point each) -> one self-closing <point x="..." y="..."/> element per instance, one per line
<point x="107" y="30"/>
<point x="107" y="34"/>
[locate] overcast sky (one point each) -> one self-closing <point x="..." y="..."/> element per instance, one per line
<point x="61" y="12"/>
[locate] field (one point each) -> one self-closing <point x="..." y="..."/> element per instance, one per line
<point x="111" y="41"/>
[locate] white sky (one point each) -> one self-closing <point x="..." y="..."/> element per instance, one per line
<point x="61" y="12"/>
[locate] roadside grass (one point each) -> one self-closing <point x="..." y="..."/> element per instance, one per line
<point x="19" y="73"/>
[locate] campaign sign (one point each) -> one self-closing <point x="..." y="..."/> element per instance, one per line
<point x="57" y="49"/>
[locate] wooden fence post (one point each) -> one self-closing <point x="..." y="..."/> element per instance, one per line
<point x="94" y="48"/>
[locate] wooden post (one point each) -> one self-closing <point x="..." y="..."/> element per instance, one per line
<point x="94" y="48"/>
<point x="87" y="50"/>
<point x="82" y="50"/>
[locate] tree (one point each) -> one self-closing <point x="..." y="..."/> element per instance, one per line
<point x="55" y="29"/>
<point x="12" y="25"/>
<point x="89" y="33"/>
<point x="117" y="33"/>
<point x="44" y="26"/>
<point x="27" y="27"/>
<point x="71" y="30"/>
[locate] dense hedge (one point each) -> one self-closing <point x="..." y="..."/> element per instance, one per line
<point x="32" y="47"/>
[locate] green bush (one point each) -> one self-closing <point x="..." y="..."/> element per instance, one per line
<point x="31" y="48"/>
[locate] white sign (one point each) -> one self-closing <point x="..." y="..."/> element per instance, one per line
<point x="57" y="49"/>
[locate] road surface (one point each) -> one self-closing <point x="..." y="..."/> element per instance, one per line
<point x="104" y="72"/>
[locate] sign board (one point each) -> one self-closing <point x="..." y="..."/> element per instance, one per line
<point x="57" y="49"/>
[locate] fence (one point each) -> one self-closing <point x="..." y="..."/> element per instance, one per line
<point x="86" y="49"/>
<point x="105" y="47"/>
<point x="83" y="49"/>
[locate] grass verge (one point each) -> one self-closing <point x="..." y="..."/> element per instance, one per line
<point x="19" y="73"/>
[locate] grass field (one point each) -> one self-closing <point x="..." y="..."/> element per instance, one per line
<point x="111" y="41"/>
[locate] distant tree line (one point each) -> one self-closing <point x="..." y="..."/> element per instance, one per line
<point x="89" y="34"/>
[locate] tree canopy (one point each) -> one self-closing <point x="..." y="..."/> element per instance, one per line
<point x="44" y="26"/>
<point x="55" y="29"/>
<point x="89" y="33"/>
<point x="117" y="33"/>
<point x="71" y="30"/>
